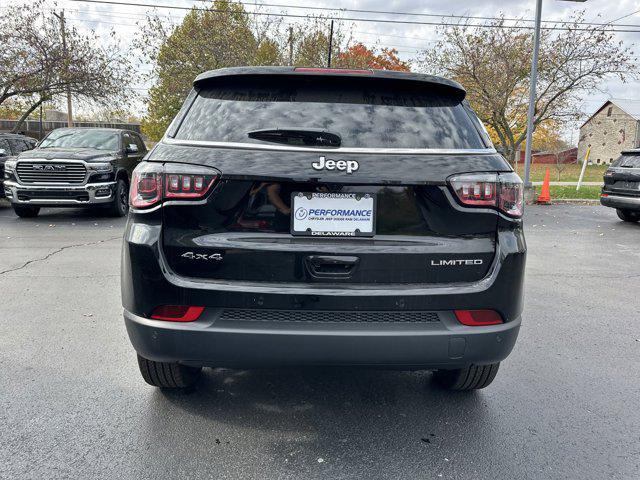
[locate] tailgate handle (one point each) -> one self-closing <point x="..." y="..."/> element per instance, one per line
<point x="331" y="266"/>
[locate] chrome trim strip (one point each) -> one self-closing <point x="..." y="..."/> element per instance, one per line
<point x="79" y="188"/>
<point x="142" y="210"/>
<point x="180" y="203"/>
<point x="285" y="148"/>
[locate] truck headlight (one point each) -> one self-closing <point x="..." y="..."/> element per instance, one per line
<point x="10" y="165"/>
<point x="100" y="167"/>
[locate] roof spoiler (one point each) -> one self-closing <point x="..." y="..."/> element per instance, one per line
<point x="210" y="77"/>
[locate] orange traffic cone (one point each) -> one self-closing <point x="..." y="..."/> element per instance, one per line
<point x="545" y="195"/>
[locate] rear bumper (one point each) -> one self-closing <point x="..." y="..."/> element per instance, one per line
<point x="147" y="281"/>
<point x="211" y="341"/>
<point x="620" y="201"/>
<point x="60" y="195"/>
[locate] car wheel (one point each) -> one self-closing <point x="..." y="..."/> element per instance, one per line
<point x="168" y="375"/>
<point x="120" y="205"/>
<point x="627" y="215"/>
<point x="472" y="377"/>
<point x="24" y="211"/>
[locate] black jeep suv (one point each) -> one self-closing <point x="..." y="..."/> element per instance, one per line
<point x="75" y="167"/>
<point x="622" y="186"/>
<point x="302" y="216"/>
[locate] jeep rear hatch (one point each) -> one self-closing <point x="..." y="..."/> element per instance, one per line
<point x="401" y="141"/>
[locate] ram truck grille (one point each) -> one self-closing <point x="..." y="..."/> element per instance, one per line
<point x="51" y="172"/>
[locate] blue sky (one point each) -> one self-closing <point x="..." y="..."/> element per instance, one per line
<point x="407" y="39"/>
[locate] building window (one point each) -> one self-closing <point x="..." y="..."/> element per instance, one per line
<point x="609" y="111"/>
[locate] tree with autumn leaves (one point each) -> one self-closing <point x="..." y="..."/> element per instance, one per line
<point x="493" y="62"/>
<point x="359" y="56"/>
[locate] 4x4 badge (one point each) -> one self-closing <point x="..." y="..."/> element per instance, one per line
<point x="349" y="166"/>
<point x="216" y="257"/>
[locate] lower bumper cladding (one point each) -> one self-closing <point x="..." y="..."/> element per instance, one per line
<point x="389" y="339"/>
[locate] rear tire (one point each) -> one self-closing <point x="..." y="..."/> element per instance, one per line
<point x="628" y="215"/>
<point x="472" y="377"/>
<point x="120" y="205"/>
<point x="24" y="211"/>
<point x="168" y="375"/>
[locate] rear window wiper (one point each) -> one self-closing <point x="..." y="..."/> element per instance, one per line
<point x="308" y="137"/>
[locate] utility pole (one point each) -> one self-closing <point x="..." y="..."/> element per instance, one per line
<point x="330" y="45"/>
<point x="528" y="187"/>
<point x="290" y="45"/>
<point x="63" y="30"/>
<point x="41" y="130"/>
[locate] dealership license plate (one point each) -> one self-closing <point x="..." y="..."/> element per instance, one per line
<point x="333" y="214"/>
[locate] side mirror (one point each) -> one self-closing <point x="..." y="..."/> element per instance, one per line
<point x="3" y="152"/>
<point x="132" y="148"/>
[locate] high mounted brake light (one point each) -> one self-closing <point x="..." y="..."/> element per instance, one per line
<point x="350" y="71"/>
<point x="502" y="191"/>
<point x="151" y="183"/>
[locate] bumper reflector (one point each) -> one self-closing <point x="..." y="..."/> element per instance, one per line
<point x="177" y="313"/>
<point x="478" y="318"/>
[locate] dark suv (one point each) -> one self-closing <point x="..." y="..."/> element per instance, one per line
<point x="622" y="186"/>
<point x="12" y="145"/>
<point x="75" y="167"/>
<point x="302" y="216"/>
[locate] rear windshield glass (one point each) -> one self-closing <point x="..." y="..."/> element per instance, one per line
<point x="627" y="161"/>
<point x="362" y="116"/>
<point x="81" y="138"/>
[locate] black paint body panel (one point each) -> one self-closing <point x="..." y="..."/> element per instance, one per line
<point x="234" y="252"/>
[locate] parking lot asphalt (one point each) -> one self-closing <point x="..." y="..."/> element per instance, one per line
<point x="73" y="405"/>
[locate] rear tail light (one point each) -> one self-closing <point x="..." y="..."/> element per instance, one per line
<point x="146" y="185"/>
<point x="153" y="182"/>
<point x="496" y="190"/>
<point x="478" y="318"/>
<point x="177" y="313"/>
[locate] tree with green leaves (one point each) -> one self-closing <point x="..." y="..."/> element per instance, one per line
<point x="221" y="35"/>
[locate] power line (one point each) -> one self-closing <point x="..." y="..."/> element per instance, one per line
<point x="143" y="16"/>
<point x="620" y="18"/>
<point x="352" y="19"/>
<point x="415" y="14"/>
<point x="395" y="46"/>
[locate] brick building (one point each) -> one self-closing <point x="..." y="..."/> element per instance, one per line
<point x="614" y="127"/>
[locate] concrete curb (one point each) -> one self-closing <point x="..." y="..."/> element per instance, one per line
<point x="569" y="184"/>
<point x="580" y="201"/>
